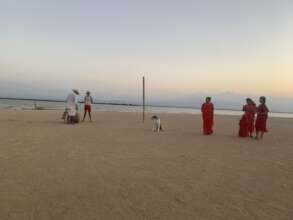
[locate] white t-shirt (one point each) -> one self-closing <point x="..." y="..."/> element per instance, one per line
<point x="71" y="99"/>
<point x="71" y="104"/>
<point x="88" y="100"/>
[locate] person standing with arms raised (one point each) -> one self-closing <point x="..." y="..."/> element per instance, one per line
<point x="72" y="106"/>
<point x="207" y="110"/>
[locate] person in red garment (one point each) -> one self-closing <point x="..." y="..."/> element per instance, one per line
<point x="244" y="126"/>
<point x="207" y="110"/>
<point x="250" y="110"/>
<point x="262" y="117"/>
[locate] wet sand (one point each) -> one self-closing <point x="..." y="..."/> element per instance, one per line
<point x="117" y="168"/>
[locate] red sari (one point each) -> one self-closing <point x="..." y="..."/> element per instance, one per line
<point x="250" y="111"/>
<point x="261" y="120"/>
<point x="207" y="110"/>
<point x="244" y="126"/>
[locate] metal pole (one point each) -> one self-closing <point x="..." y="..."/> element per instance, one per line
<point x="143" y="99"/>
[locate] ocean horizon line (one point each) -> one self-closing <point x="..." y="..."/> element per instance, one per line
<point x="128" y="104"/>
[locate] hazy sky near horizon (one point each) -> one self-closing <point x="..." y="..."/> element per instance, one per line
<point x="183" y="47"/>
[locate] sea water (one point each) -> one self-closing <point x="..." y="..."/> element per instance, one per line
<point x="29" y="105"/>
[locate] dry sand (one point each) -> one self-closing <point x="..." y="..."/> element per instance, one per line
<point x="116" y="168"/>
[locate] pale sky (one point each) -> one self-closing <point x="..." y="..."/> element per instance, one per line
<point x="183" y="47"/>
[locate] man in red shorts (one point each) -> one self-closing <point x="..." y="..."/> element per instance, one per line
<point x="88" y="102"/>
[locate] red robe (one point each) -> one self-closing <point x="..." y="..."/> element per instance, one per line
<point x="244" y="126"/>
<point x="250" y="111"/>
<point x="207" y="110"/>
<point x="261" y="120"/>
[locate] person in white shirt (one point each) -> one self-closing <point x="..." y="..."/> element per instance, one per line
<point x="88" y="102"/>
<point x="72" y="105"/>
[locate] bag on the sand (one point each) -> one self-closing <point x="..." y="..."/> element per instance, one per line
<point x="76" y="118"/>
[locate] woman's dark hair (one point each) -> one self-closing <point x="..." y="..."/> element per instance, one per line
<point x="250" y="101"/>
<point x="263" y="98"/>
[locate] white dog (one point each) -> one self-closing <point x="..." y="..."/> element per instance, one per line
<point x="157" y="125"/>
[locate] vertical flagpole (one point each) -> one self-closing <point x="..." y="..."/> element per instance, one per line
<point x="143" y="99"/>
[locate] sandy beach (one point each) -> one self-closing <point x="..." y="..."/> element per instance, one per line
<point x="117" y="168"/>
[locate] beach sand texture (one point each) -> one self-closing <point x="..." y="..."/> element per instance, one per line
<point x="117" y="168"/>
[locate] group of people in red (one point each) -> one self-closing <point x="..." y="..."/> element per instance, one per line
<point x="248" y="125"/>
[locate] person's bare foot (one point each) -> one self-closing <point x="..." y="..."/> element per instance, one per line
<point x="259" y="138"/>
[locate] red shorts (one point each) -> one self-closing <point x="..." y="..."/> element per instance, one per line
<point x="88" y="108"/>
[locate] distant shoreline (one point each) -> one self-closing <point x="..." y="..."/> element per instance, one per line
<point x="63" y="101"/>
<point x="126" y="104"/>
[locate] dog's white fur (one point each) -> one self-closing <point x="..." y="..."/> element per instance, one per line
<point x="157" y="125"/>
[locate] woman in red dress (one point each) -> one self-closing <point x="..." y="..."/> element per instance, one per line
<point x="243" y="126"/>
<point x="250" y="110"/>
<point x="262" y="116"/>
<point x="207" y="110"/>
